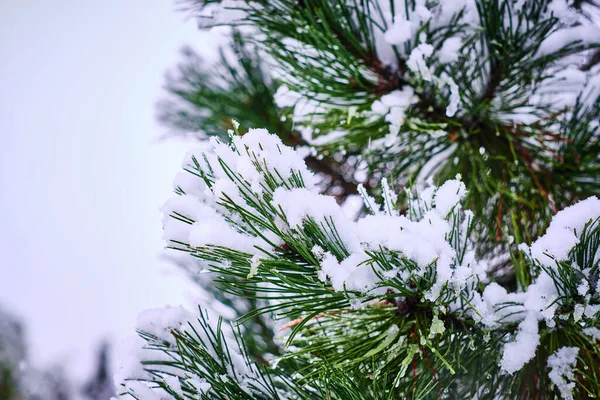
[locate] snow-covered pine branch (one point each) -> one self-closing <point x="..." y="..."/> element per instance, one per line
<point x="503" y="92"/>
<point x="406" y="292"/>
<point x="479" y="287"/>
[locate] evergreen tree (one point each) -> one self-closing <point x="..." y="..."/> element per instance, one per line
<point x="469" y="128"/>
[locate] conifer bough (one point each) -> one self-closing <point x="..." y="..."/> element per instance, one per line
<point x="477" y="279"/>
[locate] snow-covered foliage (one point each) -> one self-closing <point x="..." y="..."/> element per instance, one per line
<point x="167" y="330"/>
<point x="495" y="101"/>
<point x="214" y="181"/>
<point x="561" y="364"/>
<point x="240" y="204"/>
<point x="560" y="280"/>
<point x="258" y="167"/>
<point x="412" y="31"/>
<point x="416" y="89"/>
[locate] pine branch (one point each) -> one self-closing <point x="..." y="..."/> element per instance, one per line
<point x="393" y="305"/>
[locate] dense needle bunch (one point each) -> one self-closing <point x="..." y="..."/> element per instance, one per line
<point x="478" y="279"/>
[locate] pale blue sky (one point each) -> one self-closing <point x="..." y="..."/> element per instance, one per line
<point x="82" y="173"/>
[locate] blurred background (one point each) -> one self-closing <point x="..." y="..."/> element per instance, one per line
<point x="84" y="170"/>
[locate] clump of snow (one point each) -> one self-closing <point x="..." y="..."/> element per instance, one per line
<point x="350" y="274"/>
<point x="299" y="203"/>
<point x="561" y="364"/>
<point x="558" y="244"/>
<point x="259" y="145"/>
<point x="518" y="353"/>
<point x="416" y="61"/>
<point x="562" y="234"/>
<point x="449" y="195"/>
<point x="133" y="351"/>
<point x="215" y="230"/>
<point x="254" y="264"/>
<point x="454" y="97"/>
<point x="400" y="32"/>
<point x="200" y="385"/>
<point x="404" y="28"/>
<point x="496" y="306"/>
<point x="450" y="50"/>
<point x="394" y="105"/>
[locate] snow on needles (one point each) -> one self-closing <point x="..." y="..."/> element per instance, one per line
<point x="407" y="41"/>
<point x="241" y="173"/>
<point x="542" y="298"/>
<point x="562" y="234"/>
<point x="132" y="377"/>
<point x="561" y="364"/>
<point x="199" y="215"/>
<point x="257" y="175"/>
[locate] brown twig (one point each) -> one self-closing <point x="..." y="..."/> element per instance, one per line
<point x="527" y="159"/>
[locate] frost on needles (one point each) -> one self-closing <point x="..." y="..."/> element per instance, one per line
<point x="360" y="306"/>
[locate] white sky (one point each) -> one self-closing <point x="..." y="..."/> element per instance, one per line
<point x="82" y="172"/>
